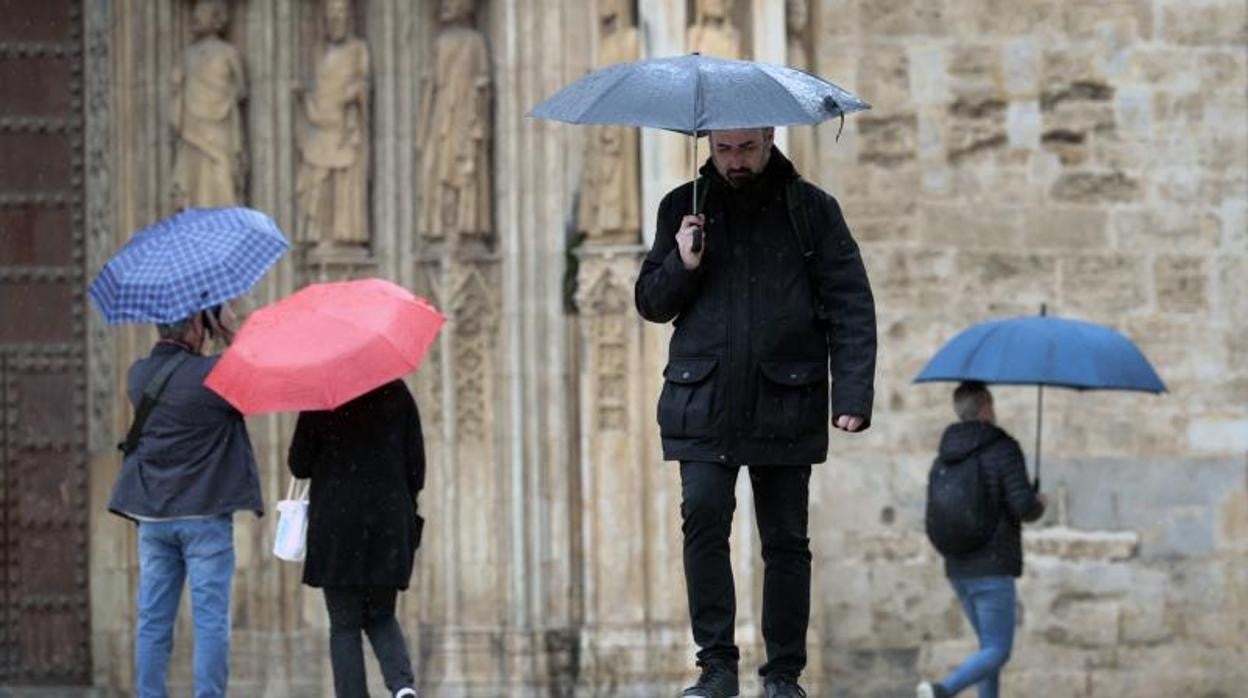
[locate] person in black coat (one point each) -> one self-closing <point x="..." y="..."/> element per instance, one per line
<point x="983" y="577"/>
<point x="366" y="461"/>
<point x="759" y="331"/>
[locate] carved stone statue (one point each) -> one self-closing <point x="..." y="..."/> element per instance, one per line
<point x="802" y="147"/>
<point x="455" y="129"/>
<point x="210" y="163"/>
<point x="712" y="32"/>
<point x="332" y="185"/>
<point x="610" y="200"/>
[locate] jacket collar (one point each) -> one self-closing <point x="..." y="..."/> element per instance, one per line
<point x="776" y="174"/>
<point x="166" y="347"/>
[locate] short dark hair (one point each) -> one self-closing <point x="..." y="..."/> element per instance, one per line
<point x="969" y="398"/>
<point x="174" y="330"/>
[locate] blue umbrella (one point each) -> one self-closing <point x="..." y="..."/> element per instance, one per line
<point x="694" y="94"/>
<point x="188" y="262"/>
<point x="1042" y="350"/>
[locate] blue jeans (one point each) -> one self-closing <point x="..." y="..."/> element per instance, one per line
<point x="989" y="605"/>
<point x="170" y="552"/>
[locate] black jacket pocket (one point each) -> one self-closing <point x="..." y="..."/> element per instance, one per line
<point x="792" y="399"/>
<point x="688" y="398"/>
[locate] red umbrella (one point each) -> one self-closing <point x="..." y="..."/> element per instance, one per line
<point x="325" y="345"/>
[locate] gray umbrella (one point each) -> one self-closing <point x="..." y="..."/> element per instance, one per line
<point x="694" y="94"/>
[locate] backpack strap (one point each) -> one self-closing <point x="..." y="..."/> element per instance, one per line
<point x="799" y="220"/>
<point x="151" y="392"/>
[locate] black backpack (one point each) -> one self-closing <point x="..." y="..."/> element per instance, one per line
<point x="962" y="515"/>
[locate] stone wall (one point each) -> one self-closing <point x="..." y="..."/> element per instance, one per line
<point x="1092" y="156"/>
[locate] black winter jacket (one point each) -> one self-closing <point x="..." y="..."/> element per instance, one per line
<point x="366" y="460"/>
<point x="1005" y="475"/>
<point x="747" y="378"/>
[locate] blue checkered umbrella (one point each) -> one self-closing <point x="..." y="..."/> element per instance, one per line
<point x="185" y="263"/>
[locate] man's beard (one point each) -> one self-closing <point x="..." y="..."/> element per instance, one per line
<point x="740" y="178"/>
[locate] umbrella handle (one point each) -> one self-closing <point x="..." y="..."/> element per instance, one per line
<point x="696" y="247"/>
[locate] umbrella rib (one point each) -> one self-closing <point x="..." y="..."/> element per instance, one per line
<point x="602" y="94"/>
<point x="787" y="93"/>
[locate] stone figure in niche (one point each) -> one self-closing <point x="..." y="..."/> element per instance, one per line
<point x="454" y="131"/>
<point x="802" y="148"/>
<point x="210" y="162"/>
<point x="712" y="32"/>
<point x="333" y="138"/>
<point x="610" y="197"/>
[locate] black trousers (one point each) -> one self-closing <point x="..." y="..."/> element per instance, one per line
<point x="370" y="610"/>
<point x="781" y="501"/>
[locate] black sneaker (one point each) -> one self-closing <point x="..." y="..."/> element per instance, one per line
<point x="782" y="686"/>
<point x="716" y="681"/>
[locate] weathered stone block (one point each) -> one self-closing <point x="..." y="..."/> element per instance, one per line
<point x="1026" y="280"/>
<point x="1022" y="59"/>
<point x="1075" y="544"/>
<point x="1024" y="124"/>
<point x="885" y="545"/>
<point x="889" y="17"/>
<point x="970" y="228"/>
<point x="1233" y="521"/>
<point x="1096" y="187"/>
<point x="1068" y="228"/>
<point x="1218" y="435"/>
<point x="1204" y="22"/>
<point x="1220" y="69"/>
<point x="976" y="69"/>
<point x="1169" y="229"/>
<point x="1182" y="284"/>
<point x="871" y="673"/>
<point x="1232" y="294"/>
<point x="1089" y="19"/>
<point x="1162" y="67"/>
<point x="914" y="278"/>
<point x="975" y="126"/>
<point x="1105" y="282"/>
<point x="888" y="141"/>
<point x="928" y="70"/>
<point x="886" y="68"/>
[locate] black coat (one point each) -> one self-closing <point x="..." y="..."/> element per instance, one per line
<point x="747" y="378"/>
<point x="194" y="457"/>
<point x="366" y="461"/>
<point x="1005" y="476"/>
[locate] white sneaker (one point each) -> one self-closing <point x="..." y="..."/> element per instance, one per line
<point x="406" y="693"/>
<point x="924" y="690"/>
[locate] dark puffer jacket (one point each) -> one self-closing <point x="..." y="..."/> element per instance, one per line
<point x="1005" y="475"/>
<point x="747" y="378"/>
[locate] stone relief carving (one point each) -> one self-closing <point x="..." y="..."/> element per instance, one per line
<point x="473" y="327"/>
<point x="455" y="123"/>
<point x="333" y="138"/>
<point x="607" y="302"/>
<point x="712" y="32"/>
<point x="802" y="148"/>
<point x="209" y="85"/>
<point x="610" y="197"/>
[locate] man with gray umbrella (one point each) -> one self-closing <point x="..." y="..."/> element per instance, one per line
<point x="770" y="299"/>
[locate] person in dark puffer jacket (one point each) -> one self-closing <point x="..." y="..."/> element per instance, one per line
<point x="984" y="578"/>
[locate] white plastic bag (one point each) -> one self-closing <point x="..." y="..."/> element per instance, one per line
<point x="291" y="541"/>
